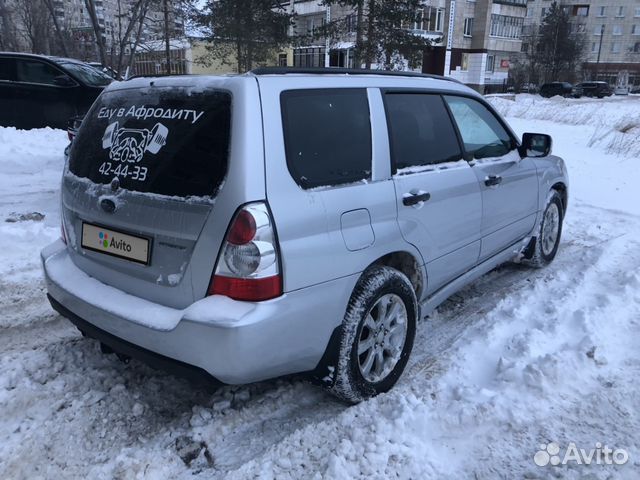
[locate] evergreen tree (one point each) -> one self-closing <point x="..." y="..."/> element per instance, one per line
<point x="250" y="30"/>
<point x="557" y="49"/>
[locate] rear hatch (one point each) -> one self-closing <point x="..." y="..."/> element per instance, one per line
<point x="142" y="180"/>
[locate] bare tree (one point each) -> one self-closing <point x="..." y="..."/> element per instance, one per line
<point x="56" y="27"/>
<point x="97" y="30"/>
<point x="128" y="34"/>
<point x="8" y="33"/>
<point x="36" y="24"/>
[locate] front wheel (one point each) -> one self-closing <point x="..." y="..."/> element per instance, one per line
<point x="544" y="246"/>
<point x="376" y="336"/>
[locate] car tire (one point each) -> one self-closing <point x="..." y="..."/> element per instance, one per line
<point x="376" y="336"/>
<point x="544" y="246"/>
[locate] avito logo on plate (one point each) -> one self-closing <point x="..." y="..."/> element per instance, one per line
<point x="113" y="243"/>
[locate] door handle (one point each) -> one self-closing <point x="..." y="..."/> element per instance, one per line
<point x="492" y="180"/>
<point x="410" y="199"/>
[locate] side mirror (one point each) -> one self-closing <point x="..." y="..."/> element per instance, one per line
<point x="64" y="81"/>
<point x="535" y="145"/>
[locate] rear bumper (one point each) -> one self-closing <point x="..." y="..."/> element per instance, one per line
<point x="235" y="342"/>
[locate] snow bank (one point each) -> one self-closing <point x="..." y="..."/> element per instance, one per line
<point x="31" y="163"/>
<point x="616" y="120"/>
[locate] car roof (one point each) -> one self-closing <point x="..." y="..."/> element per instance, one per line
<point x="298" y="78"/>
<point x="41" y="57"/>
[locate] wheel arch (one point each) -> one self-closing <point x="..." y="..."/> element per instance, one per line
<point x="403" y="261"/>
<point x="406" y="263"/>
<point x="561" y="188"/>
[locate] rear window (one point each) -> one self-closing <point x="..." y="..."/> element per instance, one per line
<point x="327" y="136"/>
<point x="169" y="141"/>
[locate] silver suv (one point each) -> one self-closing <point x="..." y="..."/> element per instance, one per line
<point x="290" y="221"/>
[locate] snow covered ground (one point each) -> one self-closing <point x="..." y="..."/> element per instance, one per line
<point x="519" y="359"/>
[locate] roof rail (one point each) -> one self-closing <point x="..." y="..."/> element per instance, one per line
<point x="344" y="71"/>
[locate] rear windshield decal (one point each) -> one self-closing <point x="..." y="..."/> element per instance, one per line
<point x="143" y="113"/>
<point x="130" y="144"/>
<point x="171" y="141"/>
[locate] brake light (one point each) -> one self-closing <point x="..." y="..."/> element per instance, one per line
<point x="248" y="264"/>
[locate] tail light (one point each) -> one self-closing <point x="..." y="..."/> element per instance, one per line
<point x="248" y="266"/>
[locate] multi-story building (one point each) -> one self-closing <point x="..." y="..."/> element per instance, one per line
<point x="612" y="36"/>
<point x="113" y="17"/>
<point x="471" y="40"/>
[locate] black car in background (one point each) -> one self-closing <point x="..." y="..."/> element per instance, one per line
<point x="564" y="89"/>
<point x="40" y="91"/>
<point x="596" y="89"/>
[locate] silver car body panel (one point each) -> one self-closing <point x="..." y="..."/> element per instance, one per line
<point x="327" y="236"/>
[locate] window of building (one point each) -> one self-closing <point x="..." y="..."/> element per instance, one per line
<point x="351" y="23"/>
<point x="599" y="30"/>
<point x="512" y="2"/>
<point x="419" y="23"/>
<point x="420" y="130"/>
<point x="524" y="47"/>
<point x="602" y="11"/>
<point x="505" y="26"/>
<point x="491" y="62"/>
<point x="430" y="19"/>
<point x="636" y="47"/>
<point x="581" y="28"/>
<point x="308" y="57"/>
<point x="615" y="47"/>
<point x="439" y="20"/>
<point x="635" y="30"/>
<point x="594" y="47"/>
<point x="620" y="12"/>
<point x="282" y="59"/>
<point x="543" y="12"/>
<point x="313" y="23"/>
<point x="581" y="10"/>
<point x="637" y="14"/>
<point x="464" y="63"/>
<point x="327" y="136"/>
<point x="617" y="29"/>
<point x="529" y="12"/>
<point x="468" y="27"/>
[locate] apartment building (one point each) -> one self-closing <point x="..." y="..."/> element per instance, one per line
<point x="612" y="33"/>
<point x="473" y="41"/>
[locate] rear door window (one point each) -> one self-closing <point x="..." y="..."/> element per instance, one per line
<point x="35" y="71"/>
<point x="327" y="136"/>
<point x="169" y="141"/>
<point x="420" y="130"/>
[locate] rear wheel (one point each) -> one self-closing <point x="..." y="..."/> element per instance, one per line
<point x="545" y="245"/>
<point x="376" y="336"/>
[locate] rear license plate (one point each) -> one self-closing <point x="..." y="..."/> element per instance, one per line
<point x="115" y="243"/>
